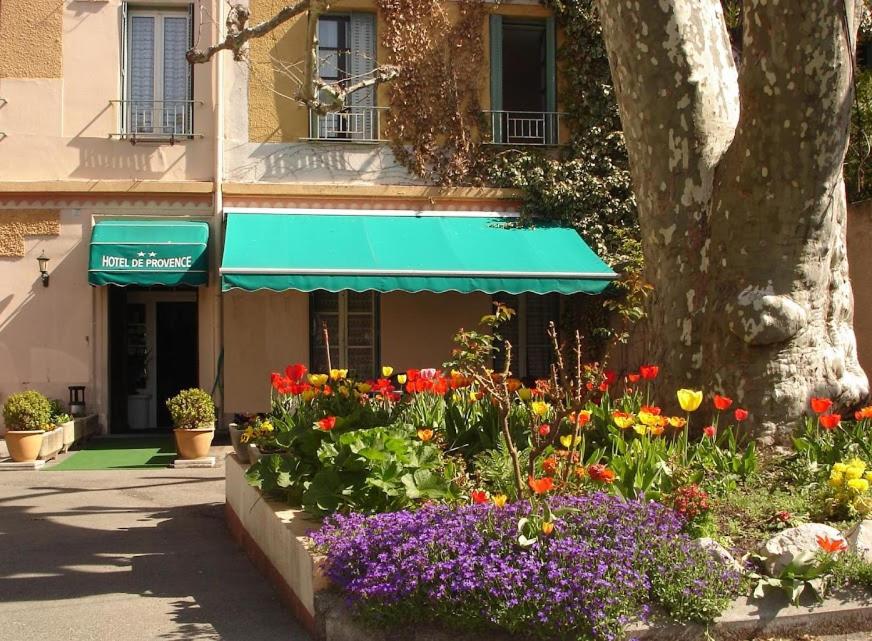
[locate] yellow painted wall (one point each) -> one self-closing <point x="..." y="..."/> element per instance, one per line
<point x="265" y="331"/>
<point x="30" y="31"/>
<point x="277" y="118"/>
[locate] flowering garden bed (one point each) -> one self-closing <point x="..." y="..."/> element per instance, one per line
<point x="565" y="508"/>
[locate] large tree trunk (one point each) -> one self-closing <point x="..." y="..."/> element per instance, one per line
<point x="743" y="226"/>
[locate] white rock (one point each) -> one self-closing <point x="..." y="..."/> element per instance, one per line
<point x="719" y="553"/>
<point x="859" y="540"/>
<point x="779" y="551"/>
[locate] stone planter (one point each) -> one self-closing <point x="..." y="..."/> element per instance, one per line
<point x="52" y="443"/>
<point x="194" y="444"/>
<point x="24" y="445"/>
<point x="69" y="429"/>
<point x="239" y="447"/>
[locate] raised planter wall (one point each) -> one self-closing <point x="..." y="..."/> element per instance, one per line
<point x="274" y="538"/>
<point x="52" y="443"/>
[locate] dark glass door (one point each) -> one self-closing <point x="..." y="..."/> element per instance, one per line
<point x="176" y="353"/>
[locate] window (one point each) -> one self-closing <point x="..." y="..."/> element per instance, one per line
<point x="523" y="82"/>
<point x="528" y="334"/>
<point x="346" y="55"/>
<point x="351" y="319"/>
<point x="155" y="74"/>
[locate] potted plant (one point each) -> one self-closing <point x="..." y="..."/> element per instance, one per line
<point x="27" y="416"/>
<point x="193" y="415"/>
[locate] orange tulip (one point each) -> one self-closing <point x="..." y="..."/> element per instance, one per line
<point x="541" y="486"/>
<point x="820" y="405"/>
<point x="830" y="421"/>
<point x="831" y="546"/>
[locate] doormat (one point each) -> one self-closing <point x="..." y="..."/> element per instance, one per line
<point x="120" y="454"/>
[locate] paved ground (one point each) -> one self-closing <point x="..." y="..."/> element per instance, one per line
<point x="127" y="555"/>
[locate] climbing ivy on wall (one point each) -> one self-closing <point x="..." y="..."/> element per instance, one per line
<point x="435" y="107"/>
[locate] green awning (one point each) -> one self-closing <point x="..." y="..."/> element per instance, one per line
<point x="149" y="252"/>
<point x="405" y="251"/>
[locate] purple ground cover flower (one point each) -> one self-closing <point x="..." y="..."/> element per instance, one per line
<point x="589" y="579"/>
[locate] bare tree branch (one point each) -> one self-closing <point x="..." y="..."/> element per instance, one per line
<point x="238" y="34"/>
<point x="313" y="93"/>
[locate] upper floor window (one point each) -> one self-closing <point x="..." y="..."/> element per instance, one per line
<point x="527" y="331"/>
<point x="156" y="77"/>
<point x="347" y="55"/>
<point x="351" y="319"/>
<point x="523" y="82"/>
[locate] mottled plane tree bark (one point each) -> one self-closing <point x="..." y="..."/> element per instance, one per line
<point x="738" y="176"/>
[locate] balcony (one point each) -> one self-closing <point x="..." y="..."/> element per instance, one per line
<point x="156" y="120"/>
<point x="514" y="128"/>
<point x="353" y="124"/>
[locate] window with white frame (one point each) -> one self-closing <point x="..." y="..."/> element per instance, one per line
<point x="156" y="76"/>
<point x="347" y="55"/>
<point x="527" y="331"/>
<point x="351" y="319"/>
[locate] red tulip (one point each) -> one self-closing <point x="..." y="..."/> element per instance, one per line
<point x="610" y="376"/>
<point x="549" y="466"/>
<point x="633" y="378"/>
<point x="709" y="431"/>
<point x="599" y="472"/>
<point x="820" y="405"/>
<point x="544" y="430"/>
<point x="830" y="421"/>
<point x="649" y="372"/>
<point x="651" y="409"/>
<point x="478" y="496"/>
<point x="722" y="402"/>
<point x="327" y="423"/>
<point x="740" y="414"/>
<point x="541" y="486"/>
<point x="296" y="372"/>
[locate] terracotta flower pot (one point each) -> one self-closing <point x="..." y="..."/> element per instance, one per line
<point x="194" y="444"/>
<point x="24" y="445"/>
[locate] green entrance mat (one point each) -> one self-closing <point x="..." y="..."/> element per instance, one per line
<point x="120" y="454"/>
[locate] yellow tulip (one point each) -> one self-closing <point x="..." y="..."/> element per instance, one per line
<point x="500" y="500"/>
<point x="473" y="396"/>
<point x="318" y="380"/>
<point x="677" y="421"/>
<point x="387" y="371"/>
<point x="334" y="374"/>
<point x="266" y="426"/>
<point x="307" y="395"/>
<point x="364" y="388"/>
<point x="401" y="379"/>
<point x="540" y="408"/>
<point x="566" y="441"/>
<point x="647" y="418"/>
<point x="689" y="399"/>
<point x="640" y="429"/>
<point x="525" y="393"/>
<point x="623" y="419"/>
<point x="547" y="527"/>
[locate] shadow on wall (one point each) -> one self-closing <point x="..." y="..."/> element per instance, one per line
<point x="45" y="341"/>
<point x="182" y="555"/>
<point x="860" y="265"/>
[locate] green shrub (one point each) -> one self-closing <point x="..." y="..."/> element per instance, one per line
<point x="27" y="411"/>
<point x="191" y="409"/>
<point x="58" y="412"/>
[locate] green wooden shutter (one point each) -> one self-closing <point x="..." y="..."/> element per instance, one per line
<point x="362" y="62"/>
<point x="551" y="80"/>
<point x="496" y="76"/>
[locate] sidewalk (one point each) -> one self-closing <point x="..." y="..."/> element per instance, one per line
<point x="128" y="555"/>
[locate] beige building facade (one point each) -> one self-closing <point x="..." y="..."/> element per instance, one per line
<point x="103" y="123"/>
<point x="104" y="128"/>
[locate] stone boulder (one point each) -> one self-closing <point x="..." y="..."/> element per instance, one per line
<point x="779" y="551"/>
<point x="859" y="540"/>
<point x="719" y="553"/>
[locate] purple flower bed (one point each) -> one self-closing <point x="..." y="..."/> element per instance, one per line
<point x="599" y="570"/>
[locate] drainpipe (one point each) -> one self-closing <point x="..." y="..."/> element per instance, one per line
<point x="218" y="205"/>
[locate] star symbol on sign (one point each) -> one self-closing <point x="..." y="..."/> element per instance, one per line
<point x="152" y="254"/>
<point x="141" y="254"/>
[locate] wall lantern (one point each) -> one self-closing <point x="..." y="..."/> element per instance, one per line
<point x="42" y="259"/>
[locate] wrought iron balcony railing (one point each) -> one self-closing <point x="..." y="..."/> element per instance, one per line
<point x="523" y="127"/>
<point x="352" y="124"/>
<point x="156" y="120"/>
